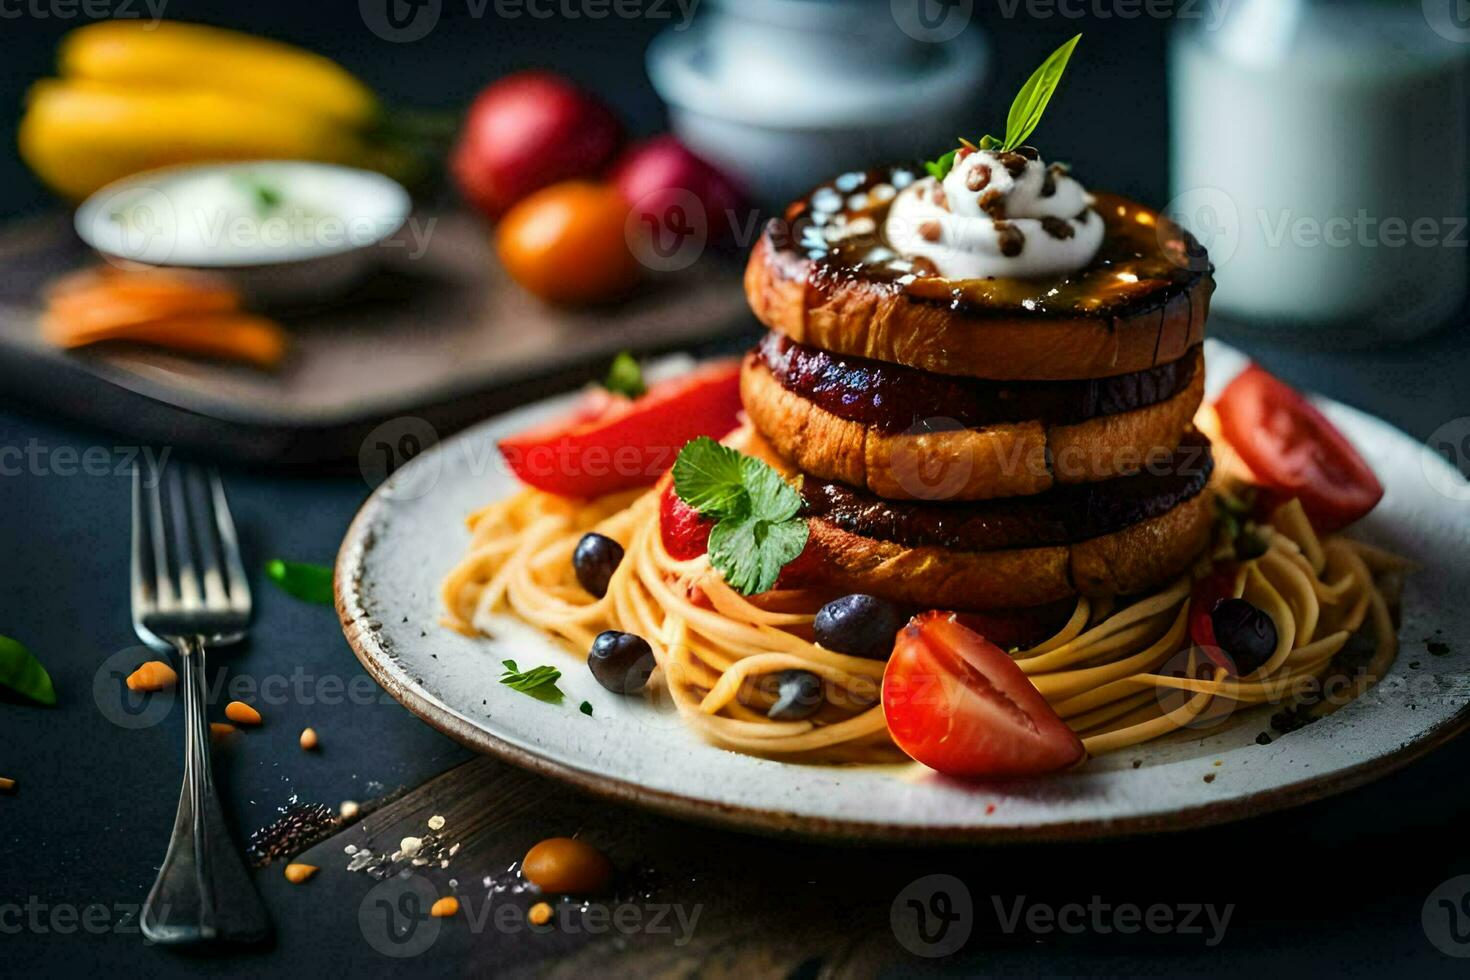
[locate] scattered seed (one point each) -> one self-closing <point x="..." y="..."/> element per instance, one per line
<point x="219" y="729"/>
<point x="241" y="713"/>
<point x="308" y="739"/>
<point x="297" y="873"/>
<point x="445" y="908"/>
<point x="155" y="675"/>
<point x="410" y="846"/>
<point x="349" y="809"/>
<point x="1209" y="777"/>
<point x="540" y="914"/>
<point x="436" y="822"/>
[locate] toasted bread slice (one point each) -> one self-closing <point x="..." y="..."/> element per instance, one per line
<point x="1132" y="560"/>
<point x="921" y="323"/>
<point x="958" y="463"/>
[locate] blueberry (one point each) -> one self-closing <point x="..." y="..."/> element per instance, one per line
<point x="860" y="625"/>
<point x="798" y="695"/>
<point x="596" y="558"/>
<point x="621" y="662"/>
<point x="1244" y="632"/>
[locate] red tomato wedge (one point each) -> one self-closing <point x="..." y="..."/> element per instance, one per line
<point x="1205" y="595"/>
<point x="610" y="443"/>
<point x="1292" y="448"/>
<point x="955" y="702"/>
<point x="685" y="534"/>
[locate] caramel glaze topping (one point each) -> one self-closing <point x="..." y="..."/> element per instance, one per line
<point x="1063" y="515"/>
<point x="1144" y="259"/>
<point x="894" y="398"/>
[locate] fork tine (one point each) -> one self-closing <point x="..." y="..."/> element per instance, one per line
<point x="189" y="591"/>
<point x="201" y="514"/>
<point x="163" y="584"/>
<point x="141" y="591"/>
<point x="229" y="544"/>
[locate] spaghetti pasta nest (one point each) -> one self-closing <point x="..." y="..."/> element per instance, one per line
<point x="1118" y="672"/>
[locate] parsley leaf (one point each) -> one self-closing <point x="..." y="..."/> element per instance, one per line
<point x="539" y="682"/>
<point x="586" y="708"/>
<point x="625" y="377"/>
<point x="710" y="478"/>
<point x="757" y="531"/>
<point x="751" y="552"/>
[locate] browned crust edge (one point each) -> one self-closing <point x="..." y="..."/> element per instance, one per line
<point x="867" y="318"/>
<point x="1009" y="460"/>
<point x="1125" y="562"/>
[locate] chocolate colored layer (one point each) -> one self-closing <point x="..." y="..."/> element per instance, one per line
<point x="894" y="398"/>
<point x="1064" y="515"/>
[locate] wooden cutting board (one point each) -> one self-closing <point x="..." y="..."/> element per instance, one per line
<point x="437" y="331"/>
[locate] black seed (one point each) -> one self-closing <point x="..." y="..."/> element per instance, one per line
<point x="1246" y="633"/>
<point x="798" y="695"/>
<point x="621" y="662"/>
<point x="596" y="558"/>
<point x="859" y="625"/>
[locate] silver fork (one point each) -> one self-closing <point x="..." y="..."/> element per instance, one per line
<point x="203" y="891"/>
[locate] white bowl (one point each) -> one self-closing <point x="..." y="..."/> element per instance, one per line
<point x="782" y="130"/>
<point x="284" y="231"/>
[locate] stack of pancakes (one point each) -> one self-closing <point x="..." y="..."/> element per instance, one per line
<point x="983" y="444"/>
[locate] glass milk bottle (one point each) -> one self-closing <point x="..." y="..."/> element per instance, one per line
<point x="1319" y="151"/>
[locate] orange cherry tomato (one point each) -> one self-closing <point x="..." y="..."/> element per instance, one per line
<point x="565" y="243"/>
<point x="567" y="865"/>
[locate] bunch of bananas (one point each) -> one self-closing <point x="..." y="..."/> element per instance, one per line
<point x="133" y="96"/>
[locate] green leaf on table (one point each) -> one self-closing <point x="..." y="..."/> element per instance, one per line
<point x="625" y="377"/>
<point x="22" y="672"/>
<point x="586" y="708"/>
<point x="311" y="583"/>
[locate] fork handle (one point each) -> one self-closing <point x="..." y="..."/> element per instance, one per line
<point x="203" y="891"/>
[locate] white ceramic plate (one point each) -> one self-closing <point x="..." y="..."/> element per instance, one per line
<point x="411" y="531"/>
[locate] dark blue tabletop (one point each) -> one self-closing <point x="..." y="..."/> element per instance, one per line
<point x="1337" y="887"/>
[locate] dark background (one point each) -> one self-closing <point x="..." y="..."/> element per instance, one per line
<point x="1332" y="888"/>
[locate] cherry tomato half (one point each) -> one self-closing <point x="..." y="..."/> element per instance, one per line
<point x="1292" y="448"/>
<point x="955" y="702"/>
<point x="566" y="244"/>
<point x="610" y="443"/>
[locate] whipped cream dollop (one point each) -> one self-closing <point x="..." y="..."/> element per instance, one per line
<point x="997" y="216"/>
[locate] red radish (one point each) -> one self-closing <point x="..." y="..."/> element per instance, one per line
<point x="650" y="175"/>
<point x="527" y="131"/>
